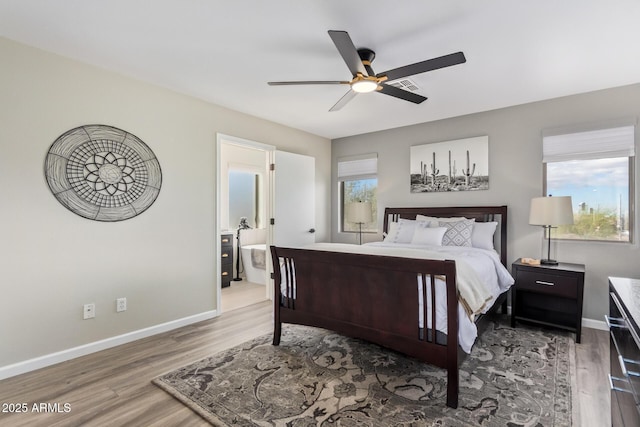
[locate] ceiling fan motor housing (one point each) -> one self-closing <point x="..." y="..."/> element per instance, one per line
<point x="367" y="56"/>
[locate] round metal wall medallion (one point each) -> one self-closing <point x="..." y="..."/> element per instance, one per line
<point x="103" y="173"/>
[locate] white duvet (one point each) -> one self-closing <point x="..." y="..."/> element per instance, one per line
<point x="481" y="279"/>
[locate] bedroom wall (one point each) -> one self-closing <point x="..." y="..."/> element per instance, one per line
<point x="515" y="167"/>
<point x="53" y="261"/>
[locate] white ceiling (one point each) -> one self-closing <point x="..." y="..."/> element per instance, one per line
<point x="225" y="51"/>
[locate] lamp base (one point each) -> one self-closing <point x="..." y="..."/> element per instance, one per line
<point x="237" y="279"/>
<point x="548" y="262"/>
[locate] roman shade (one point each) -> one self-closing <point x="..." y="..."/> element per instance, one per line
<point x="362" y="166"/>
<point x="593" y="144"/>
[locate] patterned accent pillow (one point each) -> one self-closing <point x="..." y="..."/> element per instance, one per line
<point x="458" y="232"/>
<point x="401" y="231"/>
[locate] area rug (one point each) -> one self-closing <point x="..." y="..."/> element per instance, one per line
<point x="513" y="377"/>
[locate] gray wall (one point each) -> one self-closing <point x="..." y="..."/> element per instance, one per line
<point x="53" y="261"/>
<point x="515" y="167"/>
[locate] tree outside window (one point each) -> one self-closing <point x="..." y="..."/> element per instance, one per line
<point x="358" y="182"/>
<point x="600" y="193"/>
<point x="359" y="190"/>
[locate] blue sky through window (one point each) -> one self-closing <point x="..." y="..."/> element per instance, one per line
<point x="599" y="183"/>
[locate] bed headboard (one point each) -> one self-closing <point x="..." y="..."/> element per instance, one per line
<point x="479" y="213"/>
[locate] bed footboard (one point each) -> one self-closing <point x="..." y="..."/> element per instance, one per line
<point x="375" y="298"/>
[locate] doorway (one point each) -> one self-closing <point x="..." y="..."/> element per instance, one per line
<point x="243" y="205"/>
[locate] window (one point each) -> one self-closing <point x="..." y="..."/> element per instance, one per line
<point x="595" y="168"/>
<point x="358" y="182"/>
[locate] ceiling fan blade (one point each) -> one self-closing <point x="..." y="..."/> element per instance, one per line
<point x="343" y="101"/>
<point x="424" y="66"/>
<point x="402" y="94"/>
<point x="348" y="51"/>
<point x="309" y="82"/>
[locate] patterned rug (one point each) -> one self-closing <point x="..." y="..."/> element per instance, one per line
<point x="514" y="377"/>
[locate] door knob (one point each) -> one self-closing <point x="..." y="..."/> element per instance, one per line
<point x="312" y="230"/>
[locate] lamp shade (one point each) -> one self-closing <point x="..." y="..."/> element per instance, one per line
<point x="551" y="211"/>
<point x="359" y="212"/>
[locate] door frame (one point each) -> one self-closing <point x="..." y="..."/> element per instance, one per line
<point x="270" y="151"/>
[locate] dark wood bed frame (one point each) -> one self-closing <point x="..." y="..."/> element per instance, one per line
<point x="375" y="298"/>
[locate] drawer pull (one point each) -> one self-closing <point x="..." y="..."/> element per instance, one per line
<point x="225" y="240"/>
<point x="540" y="282"/>
<point x="612" y="386"/>
<point x="225" y="255"/>
<point x="634" y="334"/>
<point x="615" y="322"/>
<point x="224" y="273"/>
<point x="623" y="366"/>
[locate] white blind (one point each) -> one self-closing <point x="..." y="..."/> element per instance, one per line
<point x="358" y="167"/>
<point x="595" y="144"/>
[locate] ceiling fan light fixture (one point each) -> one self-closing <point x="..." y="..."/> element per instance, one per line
<point x="364" y="85"/>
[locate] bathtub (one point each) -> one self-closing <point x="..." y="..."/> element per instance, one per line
<point x="254" y="261"/>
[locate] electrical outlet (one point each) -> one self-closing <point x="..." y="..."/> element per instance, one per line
<point x="121" y="304"/>
<point x="89" y="311"/>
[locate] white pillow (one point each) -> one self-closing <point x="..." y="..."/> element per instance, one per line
<point x="401" y="231"/>
<point x="458" y="232"/>
<point x="391" y="232"/>
<point x="482" y="235"/>
<point x="435" y="220"/>
<point x="428" y="236"/>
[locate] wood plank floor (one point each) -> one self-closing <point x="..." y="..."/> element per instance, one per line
<point x="592" y="368"/>
<point x="241" y="294"/>
<point x="113" y="387"/>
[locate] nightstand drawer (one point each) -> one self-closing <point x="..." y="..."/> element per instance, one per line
<point x="553" y="284"/>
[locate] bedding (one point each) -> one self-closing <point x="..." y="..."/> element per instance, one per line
<point x="401" y="231"/>
<point x="481" y="278"/>
<point x="460" y="231"/>
<point x="428" y="236"/>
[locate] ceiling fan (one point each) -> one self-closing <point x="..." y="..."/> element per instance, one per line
<point x="365" y="80"/>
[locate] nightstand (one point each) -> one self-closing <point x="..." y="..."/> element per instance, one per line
<point x="549" y="295"/>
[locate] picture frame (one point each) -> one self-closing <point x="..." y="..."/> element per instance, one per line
<point x="449" y="166"/>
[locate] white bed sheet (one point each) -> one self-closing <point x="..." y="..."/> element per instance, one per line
<point x="484" y="263"/>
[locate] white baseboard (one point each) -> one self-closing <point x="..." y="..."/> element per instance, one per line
<point x="72" y="353"/>
<point x="594" y="324"/>
<point x="64" y="355"/>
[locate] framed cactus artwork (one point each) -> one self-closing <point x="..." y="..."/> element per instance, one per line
<point x="458" y="165"/>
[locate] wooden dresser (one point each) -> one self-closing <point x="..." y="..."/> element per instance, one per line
<point x="226" y="261"/>
<point x="624" y="379"/>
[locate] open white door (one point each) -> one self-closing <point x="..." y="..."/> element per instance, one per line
<point x="292" y="204"/>
<point x="294" y="200"/>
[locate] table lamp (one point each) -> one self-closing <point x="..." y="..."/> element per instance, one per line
<point x="359" y="213"/>
<point x="549" y="212"/>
